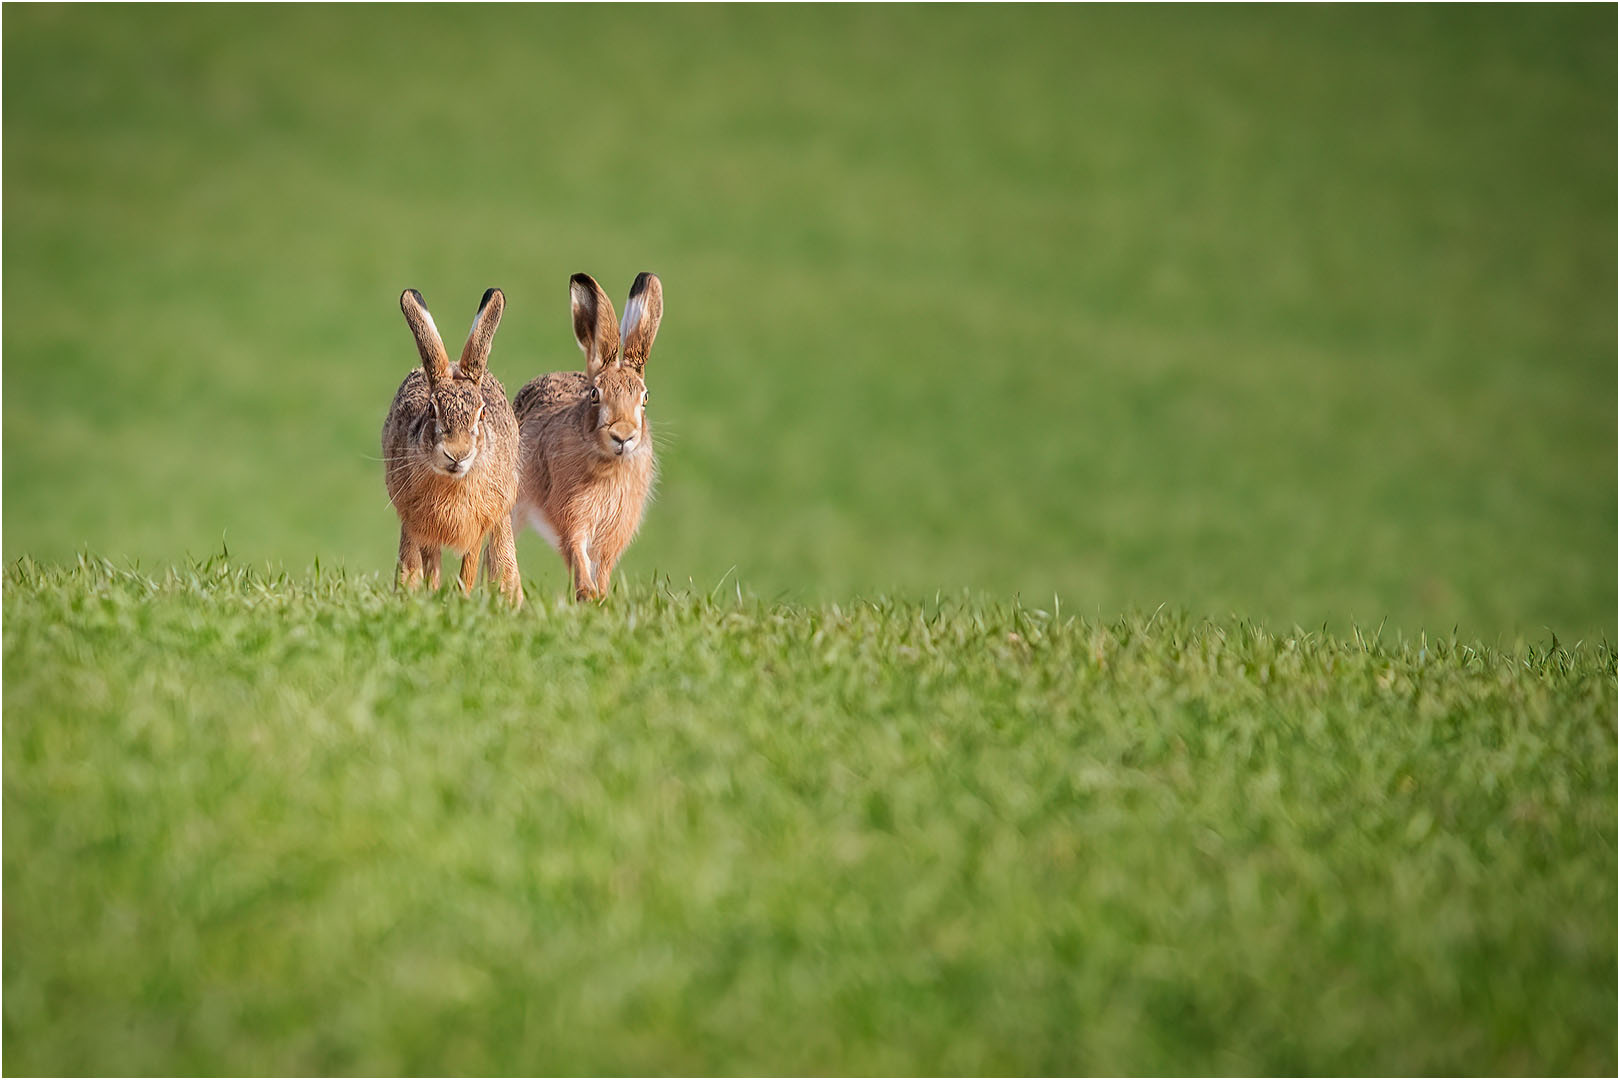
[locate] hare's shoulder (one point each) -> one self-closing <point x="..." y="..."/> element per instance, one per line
<point x="558" y="389"/>
<point x="412" y="398"/>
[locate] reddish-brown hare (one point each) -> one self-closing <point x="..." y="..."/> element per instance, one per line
<point x="585" y="463"/>
<point x="450" y="445"/>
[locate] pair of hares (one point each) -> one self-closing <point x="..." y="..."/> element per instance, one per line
<point x="572" y="454"/>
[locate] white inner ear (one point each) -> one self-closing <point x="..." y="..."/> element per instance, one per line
<point x="428" y="318"/>
<point x="581" y="298"/>
<point x="632" y="317"/>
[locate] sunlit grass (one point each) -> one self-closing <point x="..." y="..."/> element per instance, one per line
<point x="258" y="823"/>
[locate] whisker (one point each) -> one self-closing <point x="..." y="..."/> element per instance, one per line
<point x="414" y="470"/>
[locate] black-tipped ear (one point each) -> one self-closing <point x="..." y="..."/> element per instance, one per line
<point x="595" y="328"/>
<point x="435" y="361"/>
<point x="481" y="338"/>
<point x="642" y="313"/>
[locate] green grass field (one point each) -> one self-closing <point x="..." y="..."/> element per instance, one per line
<point x="1029" y="377"/>
<point x="1302" y="315"/>
<point x="310" y="826"/>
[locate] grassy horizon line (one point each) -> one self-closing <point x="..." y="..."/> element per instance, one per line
<point x="220" y="568"/>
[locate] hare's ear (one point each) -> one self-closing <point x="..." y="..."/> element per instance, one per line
<point x="642" y="313"/>
<point x="594" y="325"/>
<point x="475" y="354"/>
<point x="434" y="360"/>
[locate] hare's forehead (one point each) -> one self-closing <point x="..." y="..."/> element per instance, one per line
<point x="457" y="403"/>
<point x="617" y="381"/>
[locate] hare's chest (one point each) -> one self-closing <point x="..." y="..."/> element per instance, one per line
<point x="617" y="516"/>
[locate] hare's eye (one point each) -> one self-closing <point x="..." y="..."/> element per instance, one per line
<point x="645" y="396"/>
<point x="596" y="394"/>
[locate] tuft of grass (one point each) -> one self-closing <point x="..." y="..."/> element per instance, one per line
<point x="271" y="823"/>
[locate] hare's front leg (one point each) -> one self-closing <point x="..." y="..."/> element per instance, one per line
<point x="604" y="573"/>
<point x="430" y="565"/>
<point x="410" y="561"/>
<point x="469" y="568"/>
<point x="503" y="567"/>
<point x="580" y="569"/>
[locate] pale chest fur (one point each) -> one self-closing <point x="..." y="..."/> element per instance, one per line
<point x="448" y="512"/>
<point x="603" y="508"/>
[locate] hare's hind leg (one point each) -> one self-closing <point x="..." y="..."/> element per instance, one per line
<point x="430" y="565"/>
<point x="410" y="561"/>
<point x="503" y="567"/>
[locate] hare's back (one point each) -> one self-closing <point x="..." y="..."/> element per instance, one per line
<point x="558" y="390"/>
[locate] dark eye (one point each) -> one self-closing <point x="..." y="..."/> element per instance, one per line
<point x="645" y="396"/>
<point x="596" y="394"/>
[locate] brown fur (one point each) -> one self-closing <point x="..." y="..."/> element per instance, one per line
<point x="572" y="475"/>
<point x="442" y="414"/>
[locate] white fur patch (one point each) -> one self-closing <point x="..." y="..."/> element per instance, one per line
<point x="632" y="317"/>
<point x="543" y="526"/>
<point x="428" y="318"/>
<point x="585" y="554"/>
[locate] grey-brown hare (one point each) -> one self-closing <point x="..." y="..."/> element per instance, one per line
<point x="585" y="464"/>
<point x="450" y="447"/>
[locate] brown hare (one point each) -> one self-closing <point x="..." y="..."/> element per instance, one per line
<point x="450" y="447"/>
<point x="585" y="463"/>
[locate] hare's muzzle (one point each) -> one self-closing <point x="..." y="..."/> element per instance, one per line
<point x="623" y="434"/>
<point x="456" y="466"/>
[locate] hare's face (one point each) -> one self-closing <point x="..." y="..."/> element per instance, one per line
<point x="618" y="412"/>
<point x="452" y="438"/>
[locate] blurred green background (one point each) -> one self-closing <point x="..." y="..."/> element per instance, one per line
<point x="1306" y="313"/>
